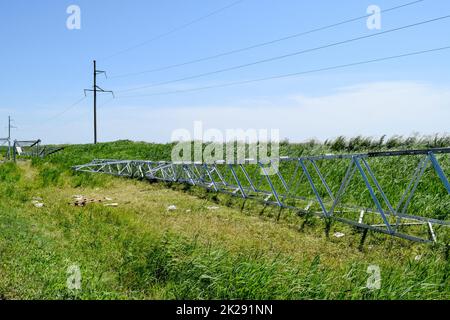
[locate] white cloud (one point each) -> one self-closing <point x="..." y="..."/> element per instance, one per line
<point x="376" y="109"/>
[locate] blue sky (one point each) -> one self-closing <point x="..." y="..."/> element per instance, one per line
<point x="45" y="68"/>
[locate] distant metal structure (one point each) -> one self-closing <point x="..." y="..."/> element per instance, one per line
<point x="4" y="141"/>
<point x="300" y="184"/>
<point x="7" y="140"/>
<point x="9" y="136"/>
<point x="28" y="148"/>
<point x="32" y="148"/>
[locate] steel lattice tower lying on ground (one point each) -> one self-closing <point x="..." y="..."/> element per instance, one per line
<point x="354" y="193"/>
<point x="33" y="148"/>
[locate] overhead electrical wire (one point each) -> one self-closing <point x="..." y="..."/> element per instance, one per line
<point x="288" y="75"/>
<point x="57" y="115"/>
<point x="70" y="107"/>
<point x="262" y="44"/>
<point x="285" y="55"/>
<point x="183" y="26"/>
<point x="106" y="102"/>
<point x="260" y="61"/>
<point x="215" y="12"/>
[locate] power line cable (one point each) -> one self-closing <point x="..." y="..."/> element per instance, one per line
<point x="342" y="66"/>
<point x="296" y="35"/>
<point x="70" y="107"/>
<point x="286" y="55"/>
<point x="73" y="105"/>
<point x="183" y="26"/>
<point x="105" y="103"/>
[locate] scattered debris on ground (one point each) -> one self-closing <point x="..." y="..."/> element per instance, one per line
<point x="82" y="201"/>
<point x="213" y="208"/>
<point x="418" y="257"/>
<point x="111" y="204"/>
<point x="37" y="204"/>
<point x="172" y="208"/>
<point x="78" y="197"/>
<point x="339" y="234"/>
<point x="309" y="206"/>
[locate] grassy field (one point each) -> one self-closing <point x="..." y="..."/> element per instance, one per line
<point x="210" y="247"/>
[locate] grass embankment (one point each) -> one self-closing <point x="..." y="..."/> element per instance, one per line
<point x="207" y="248"/>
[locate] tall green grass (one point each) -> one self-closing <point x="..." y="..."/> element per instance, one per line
<point x="122" y="258"/>
<point x="431" y="198"/>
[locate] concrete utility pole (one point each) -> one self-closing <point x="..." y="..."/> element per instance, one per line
<point x="95" y="102"/>
<point x="96" y="89"/>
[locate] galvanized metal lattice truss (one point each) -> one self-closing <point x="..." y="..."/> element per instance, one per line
<point x="350" y="188"/>
<point x="33" y="148"/>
